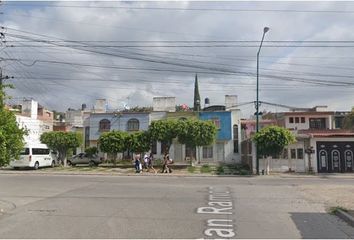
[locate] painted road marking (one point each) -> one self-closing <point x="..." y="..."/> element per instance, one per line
<point x="219" y="204"/>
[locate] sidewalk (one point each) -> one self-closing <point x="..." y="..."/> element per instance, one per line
<point x="315" y="175"/>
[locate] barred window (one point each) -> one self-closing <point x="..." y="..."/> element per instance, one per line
<point x="133" y="124"/>
<point x="208" y="152"/>
<point x="104" y="125"/>
<point x="300" y="153"/>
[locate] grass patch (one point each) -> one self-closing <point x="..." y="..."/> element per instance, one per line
<point x="233" y="169"/>
<point x="334" y="210"/>
<point x="191" y="169"/>
<point x="220" y="170"/>
<point x="205" y="169"/>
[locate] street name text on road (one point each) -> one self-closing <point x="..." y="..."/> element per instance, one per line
<point x="219" y="203"/>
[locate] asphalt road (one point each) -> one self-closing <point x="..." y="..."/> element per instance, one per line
<point x="65" y="206"/>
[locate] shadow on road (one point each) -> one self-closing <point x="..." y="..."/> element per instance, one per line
<point x="321" y="225"/>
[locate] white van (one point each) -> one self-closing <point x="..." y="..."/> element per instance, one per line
<point x="35" y="156"/>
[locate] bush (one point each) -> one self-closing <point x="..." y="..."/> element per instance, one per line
<point x="205" y="169"/>
<point x="91" y="151"/>
<point x="220" y="170"/>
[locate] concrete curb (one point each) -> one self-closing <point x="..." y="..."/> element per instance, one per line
<point x="345" y="217"/>
<point x="9" y="172"/>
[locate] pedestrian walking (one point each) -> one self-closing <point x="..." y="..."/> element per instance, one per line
<point x="137" y="164"/>
<point x="166" y="164"/>
<point x="150" y="163"/>
<point x="146" y="161"/>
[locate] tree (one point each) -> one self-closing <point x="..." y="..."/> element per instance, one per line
<point x="272" y="140"/>
<point x="349" y="121"/>
<point x="196" y="95"/>
<point x="61" y="142"/>
<point x="11" y="137"/>
<point x="196" y="133"/>
<point x="113" y="143"/>
<point x="163" y="131"/>
<point x="138" y="142"/>
<point x="90" y="151"/>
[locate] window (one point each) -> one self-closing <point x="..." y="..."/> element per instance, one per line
<point x="40" y="151"/>
<point x="154" y="147"/>
<point x="297" y="120"/>
<point x="338" y="122"/>
<point x="284" y="153"/>
<point x="216" y="121"/>
<point x="235" y="138"/>
<point x="291" y="120"/>
<point x="302" y="119"/>
<point x="25" y="151"/>
<point x="208" y="152"/>
<point x="293" y="153"/>
<point x="104" y="125"/>
<point x="317" y="123"/>
<point x="133" y="124"/>
<point x="87" y="137"/>
<point x="300" y="153"/>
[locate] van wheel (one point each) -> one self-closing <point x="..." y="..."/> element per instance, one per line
<point x="53" y="164"/>
<point x="36" y="166"/>
<point x="91" y="163"/>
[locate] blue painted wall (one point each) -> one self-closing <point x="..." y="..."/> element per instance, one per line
<point x="118" y="122"/>
<point x="224" y="133"/>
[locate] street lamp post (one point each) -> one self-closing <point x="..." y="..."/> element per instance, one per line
<point x="265" y="30"/>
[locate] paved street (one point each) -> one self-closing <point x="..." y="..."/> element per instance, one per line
<point x="68" y="206"/>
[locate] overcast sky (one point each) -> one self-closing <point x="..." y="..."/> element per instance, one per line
<point x="67" y="53"/>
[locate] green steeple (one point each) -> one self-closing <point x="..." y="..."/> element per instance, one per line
<point x="196" y="95"/>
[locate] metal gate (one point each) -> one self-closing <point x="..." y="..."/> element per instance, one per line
<point x="335" y="157"/>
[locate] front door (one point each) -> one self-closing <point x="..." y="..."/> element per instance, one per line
<point x="335" y="156"/>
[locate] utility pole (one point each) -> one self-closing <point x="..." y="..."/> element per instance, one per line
<point x="2" y="86"/>
<point x="265" y="30"/>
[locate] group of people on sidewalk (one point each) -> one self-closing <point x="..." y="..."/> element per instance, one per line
<point x="147" y="163"/>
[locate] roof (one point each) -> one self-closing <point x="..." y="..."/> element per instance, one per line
<point x="327" y="133"/>
<point x="308" y="113"/>
<point x="260" y="121"/>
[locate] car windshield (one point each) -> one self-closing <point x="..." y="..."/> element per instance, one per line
<point x="25" y="151"/>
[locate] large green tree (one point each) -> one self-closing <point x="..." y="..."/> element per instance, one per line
<point x="138" y="142"/>
<point x="11" y="137"/>
<point x="196" y="133"/>
<point x="61" y="142"/>
<point x="272" y="140"/>
<point x="113" y="143"/>
<point x="163" y="131"/>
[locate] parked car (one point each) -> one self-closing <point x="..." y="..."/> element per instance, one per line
<point x="83" y="158"/>
<point x="34" y="155"/>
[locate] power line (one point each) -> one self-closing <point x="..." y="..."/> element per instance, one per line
<point x="187" y="9"/>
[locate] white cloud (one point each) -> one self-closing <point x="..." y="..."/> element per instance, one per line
<point x="59" y="86"/>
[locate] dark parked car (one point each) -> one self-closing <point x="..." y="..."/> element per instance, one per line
<point x="83" y="158"/>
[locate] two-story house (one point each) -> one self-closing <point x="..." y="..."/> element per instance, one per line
<point x="319" y="131"/>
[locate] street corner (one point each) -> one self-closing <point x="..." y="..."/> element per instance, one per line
<point x="345" y="215"/>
